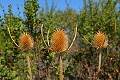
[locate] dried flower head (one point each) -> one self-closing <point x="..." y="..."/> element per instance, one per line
<point x="100" y="40"/>
<point x="59" y="41"/>
<point x="26" y="42"/>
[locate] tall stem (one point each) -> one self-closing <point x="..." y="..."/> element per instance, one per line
<point x="60" y="68"/>
<point x="100" y="54"/>
<point x="29" y="68"/>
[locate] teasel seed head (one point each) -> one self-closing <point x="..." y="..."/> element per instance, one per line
<point x="100" y="40"/>
<point x="26" y="42"/>
<point x="59" y="41"/>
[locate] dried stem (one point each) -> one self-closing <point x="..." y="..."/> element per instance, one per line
<point x="100" y="54"/>
<point x="43" y="36"/>
<point x="11" y="37"/>
<point x="29" y="68"/>
<point x="47" y="74"/>
<point x="48" y="37"/>
<point x="73" y="38"/>
<point x="87" y="40"/>
<point x="60" y="68"/>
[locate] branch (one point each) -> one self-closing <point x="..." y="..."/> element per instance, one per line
<point x="115" y="28"/>
<point x="73" y="38"/>
<point x="97" y="74"/>
<point x="12" y="38"/>
<point x="73" y="51"/>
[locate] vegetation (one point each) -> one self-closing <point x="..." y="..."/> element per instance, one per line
<point x="80" y="62"/>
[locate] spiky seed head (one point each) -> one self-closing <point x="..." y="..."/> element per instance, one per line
<point x="59" y="41"/>
<point x="26" y="42"/>
<point x="100" y="40"/>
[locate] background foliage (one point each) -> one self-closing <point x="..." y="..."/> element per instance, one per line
<point x="81" y="64"/>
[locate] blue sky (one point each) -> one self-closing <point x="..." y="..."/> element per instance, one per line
<point x="61" y="4"/>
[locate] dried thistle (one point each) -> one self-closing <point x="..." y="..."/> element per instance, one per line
<point x="59" y="41"/>
<point x="26" y="42"/>
<point x="100" y="40"/>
